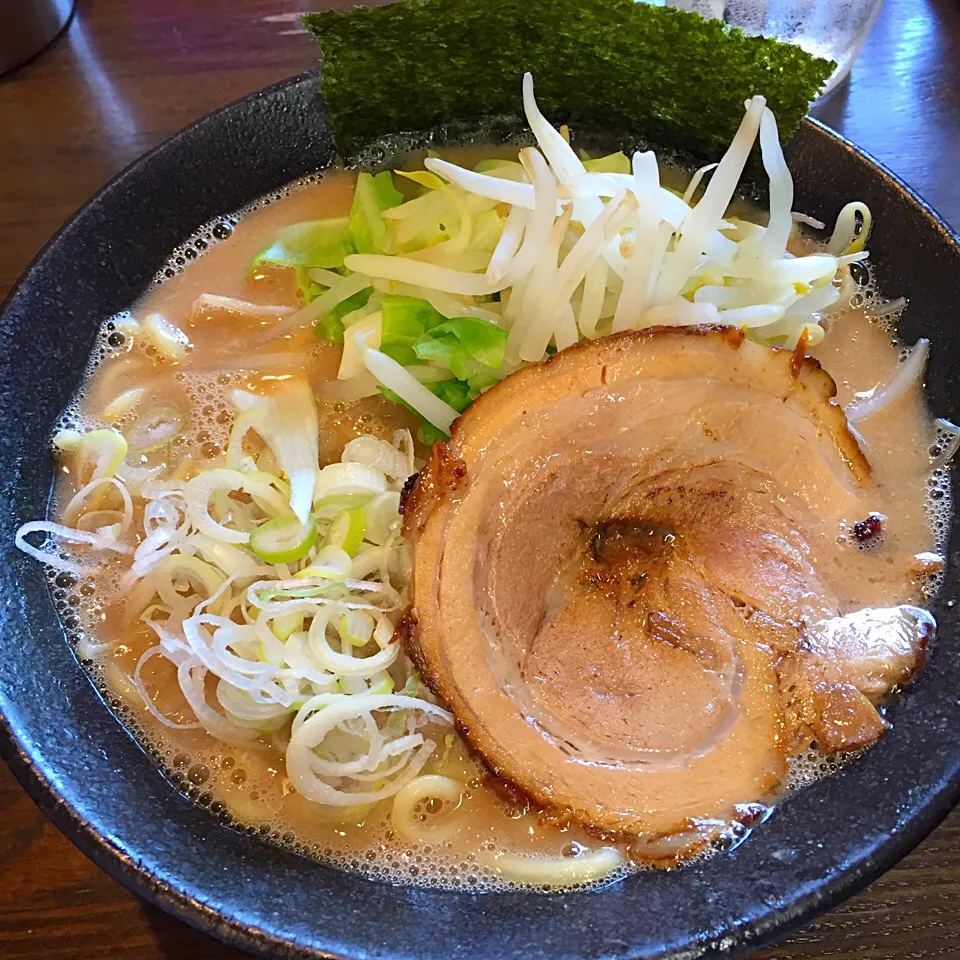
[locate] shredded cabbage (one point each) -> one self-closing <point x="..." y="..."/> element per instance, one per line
<point x="313" y="243"/>
<point x="367" y="231"/>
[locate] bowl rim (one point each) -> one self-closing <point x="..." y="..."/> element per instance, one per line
<point x="259" y="940"/>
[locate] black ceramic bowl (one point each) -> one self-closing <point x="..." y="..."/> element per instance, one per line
<point x="107" y="795"/>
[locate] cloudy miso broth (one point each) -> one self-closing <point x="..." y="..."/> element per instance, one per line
<point x="180" y="425"/>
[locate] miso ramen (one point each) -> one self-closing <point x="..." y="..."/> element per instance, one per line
<point x="487" y="676"/>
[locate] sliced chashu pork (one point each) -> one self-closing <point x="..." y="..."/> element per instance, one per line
<point x="628" y="573"/>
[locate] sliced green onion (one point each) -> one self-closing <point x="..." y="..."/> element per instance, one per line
<point x="352" y="685"/>
<point x="286" y="420"/>
<point x="169" y="340"/>
<point x="234" y="561"/>
<point x="203" y="486"/>
<point x="303" y="593"/>
<point x="328" y="508"/>
<point x="284" y="540"/>
<point x="98" y="454"/>
<point x="382" y="686"/>
<point x="347" y="530"/>
<point x="120" y="406"/>
<point x="344" y="479"/>
<point x="330" y="563"/>
<point x="356" y="627"/>
<point x="161" y="580"/>
<point x="382" y="516"/>
<point x="286" y="625"/>
<point x="155" y="428"/>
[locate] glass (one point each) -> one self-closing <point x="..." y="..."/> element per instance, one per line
<point x="834" y="29"/>
<point x="28" y="26"/>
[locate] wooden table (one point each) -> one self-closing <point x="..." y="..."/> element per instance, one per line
<point x="130" y="72"/>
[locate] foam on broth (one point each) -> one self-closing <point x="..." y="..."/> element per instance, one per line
<point x="247" y="786"/>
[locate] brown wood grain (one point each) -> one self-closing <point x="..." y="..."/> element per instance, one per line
<point x="127" y="74"/>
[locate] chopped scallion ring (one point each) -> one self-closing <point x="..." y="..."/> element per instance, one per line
<point x="356" y="627"/>
<point x="283" y="540"/>
<point x="155" y="428"/>
<point x="98" y="454"/>
<point x="347" y="530"/>
<point x="330" y="563"/>
<point x="329" y="508"/>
